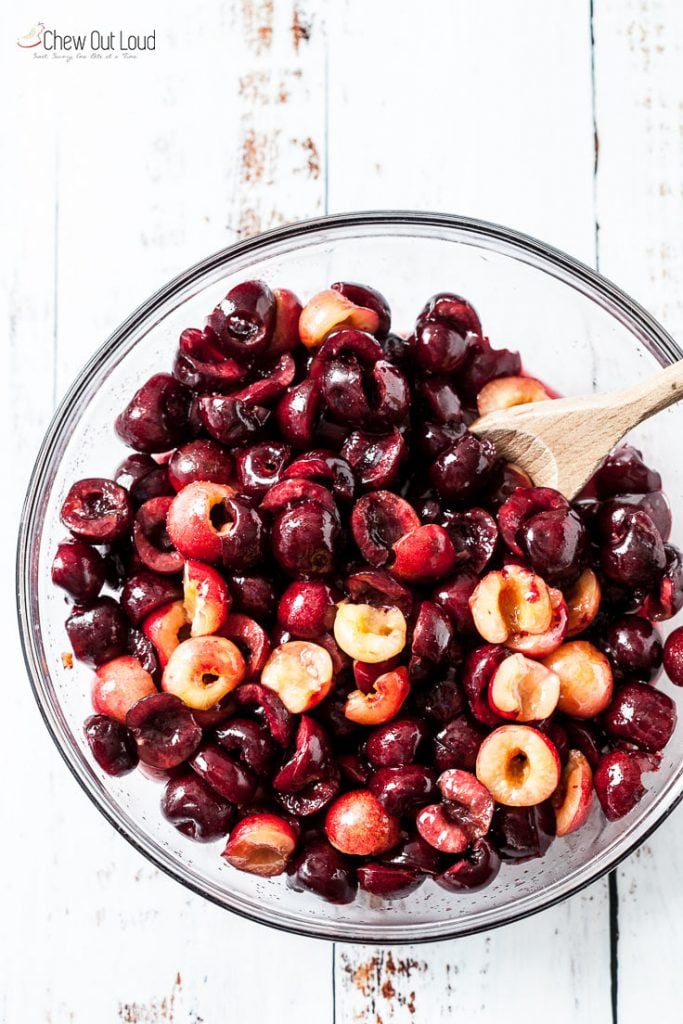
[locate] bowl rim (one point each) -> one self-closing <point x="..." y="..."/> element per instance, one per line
<point x="636" y="315"/>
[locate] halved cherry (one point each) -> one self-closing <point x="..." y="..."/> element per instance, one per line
<point x="261" y="844"/>
<point x="379" y="519"/>
<point x="118" y="685"/>
<point x="523" y="690"/>
<point x="523" y="503"/>
<point x="251" y="638"/>
<point x="506" y="392"/>
<point x="278" y="719"/>
<point x="327" y="311"/>
<point x="300" y="673"/>
<point x="165" y="730"/>
<point x="572" y="798"/>
<point x="197" y="520"/>
<point x="382" y="703"/>
<point x="583" y="602"/>
<point x="510" y="601"/>
<point x="167" y="627"/>
<point x="206" y="597"/>
<point x="287" y="312"/>
<point x="369" y="634"/>
<point x="203" y="670"/>
<point x="365" y="675"/>
<point x="519" y="766"/>
<point x="586" y="681"/>
<point x="437" y="829"/>
<point x="468" y="803"/>
<point x="310" y="760"/>
<point x="539" y="645"/>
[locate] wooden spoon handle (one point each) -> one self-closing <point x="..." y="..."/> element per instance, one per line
<point x="640" y="401"/>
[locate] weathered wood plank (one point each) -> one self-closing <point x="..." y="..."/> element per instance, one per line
<point x="154" y="173"/>
<point x="639" y="192"/>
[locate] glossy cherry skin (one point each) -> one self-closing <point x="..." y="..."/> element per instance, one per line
<point x="439" y="347"/>
<point x="396" y="743"/>
<point x="253" y="595"/>
<point x="155" y="419"/>
<point x="324" y="871"/>
<point x="369" y="298"/>
<point x="475" y="870"/>
<point x="307" y="609"/>
<point x="251" y="741"/>
<point x="195" y="809"/>
<point x="245" y="320"/>
<point x="624" y="472"/>
<point x="634" y="648"/>
<point x="112" y="745"/>
<point x="483" y="364"/>
<point x="673" y="656"/>
<point x="632" y="552"/>
<point x="618" y="784"/>
<point x="403" y="790"/>
<point x="453" y="310"/>
<point x="387" y="880"/>
<point x="203" y="459"/>
<point x="79" y="569"/>
<point x="440" y="700"/>
<point x="97" y="632"/>
<point x="225" y="774"/>
<point x="146" y="591"/>
<point x="555" y="543"/>
<point x="97" y="510"/>
<point x="463" y="468"/>
<point x="304" y="538"/>
<point x="164" y="729"/>
<point x="641" y="715"/>
<point x="260" y="466"/>
<point x="457" y="744"/>
<point x="521" y="833"/>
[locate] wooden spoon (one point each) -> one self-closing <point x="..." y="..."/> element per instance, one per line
<point x="561" y="443"/>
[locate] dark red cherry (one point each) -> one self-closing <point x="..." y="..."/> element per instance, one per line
<point x="260" y="466"/>
<point x="79" y="569"/>
<point x="202" y="459"/>
<point x="97" y="510"/>
<point x="454" y="310"/>
<point x="244" y="320"/>
<point x="195" y="809"/>
<point x="632" y="551"/>
<point x="439" y="347"/>
<point x="634" y="648"/>
<point x="165" y="730"/>
<point x="555" y="543"/>
<point x="476" y="869"/>
<point x="97" y="631"/>
<point x="112" y="745"/>
<point x="463" y="468"/>
<point x="641" y="715"/>
<point x="156" y="417"/>
<point x="618" y="784"/>
<point x="322" y="870"/>
<point x="374" y="458"/>
<point x="144" y="592"/>
<point x="624" y="472"/>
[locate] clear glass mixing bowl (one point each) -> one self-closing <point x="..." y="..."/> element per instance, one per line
<point x="574" y="329"/>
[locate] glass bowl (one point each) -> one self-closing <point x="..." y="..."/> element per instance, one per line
<point x="573" y="328"/>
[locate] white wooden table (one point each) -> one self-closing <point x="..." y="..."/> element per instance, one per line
<point x="562" y="119"/>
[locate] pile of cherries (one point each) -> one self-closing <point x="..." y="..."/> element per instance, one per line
<point x="341" y="631"/>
